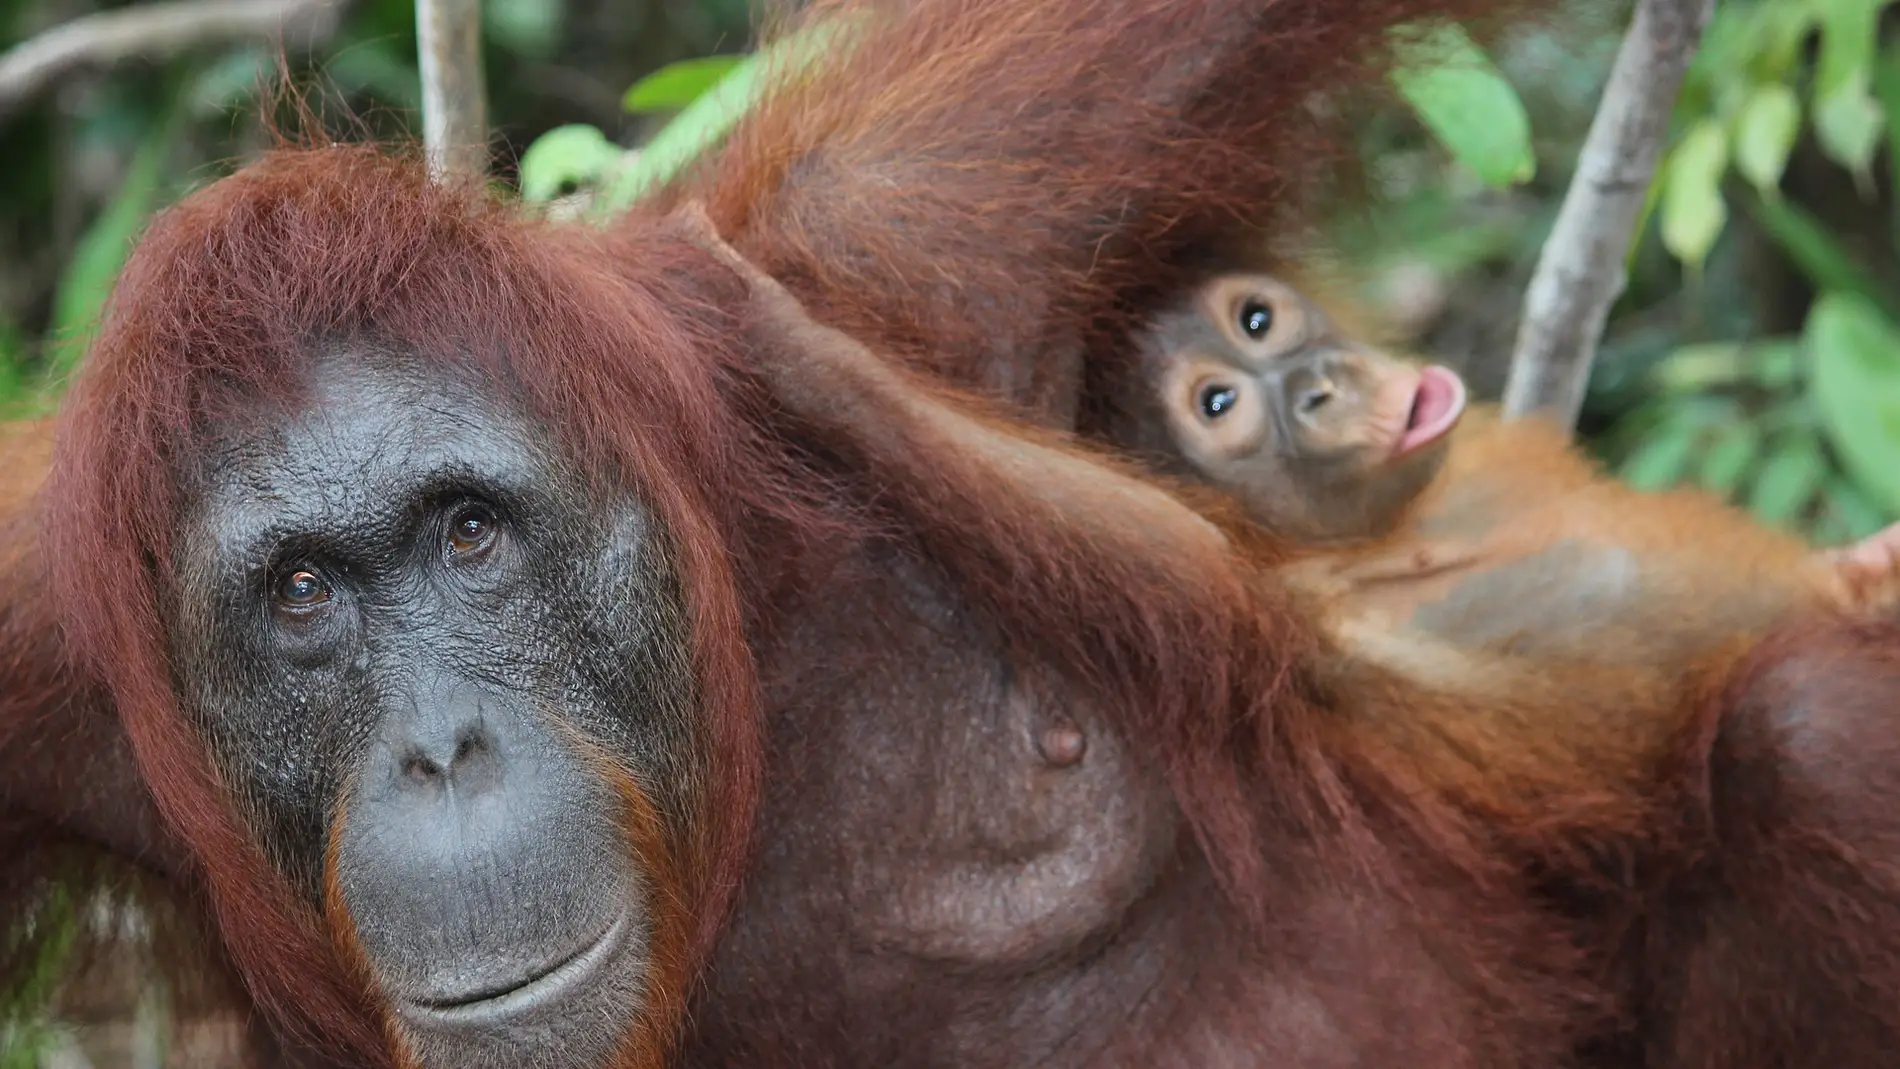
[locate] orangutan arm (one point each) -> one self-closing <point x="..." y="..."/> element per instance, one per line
<point x="993" y="487"/>
<point x="1786" y="945"/>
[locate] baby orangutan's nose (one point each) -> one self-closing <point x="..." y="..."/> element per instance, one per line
<point x="1314" y="397"/>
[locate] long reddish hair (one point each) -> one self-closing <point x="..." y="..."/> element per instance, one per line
<point x="221" y="304"/>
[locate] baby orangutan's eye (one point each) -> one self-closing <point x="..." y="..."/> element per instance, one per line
<point x="1256" y="319"/>
<point x="1217" y="400"/>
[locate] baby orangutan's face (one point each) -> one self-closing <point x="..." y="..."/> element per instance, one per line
<point x="1320" y="437"/>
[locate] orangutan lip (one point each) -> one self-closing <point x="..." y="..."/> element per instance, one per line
<point x="546" y="987"/>
<point x="1438" y="399"/>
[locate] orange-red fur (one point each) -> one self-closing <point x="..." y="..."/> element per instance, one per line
<point x="1510" y="490"/>
<point x="1672" y="823"/>
<point x="215" y="306"/>
<point x="1054" y="157"/>
<point x="994" y="191"/>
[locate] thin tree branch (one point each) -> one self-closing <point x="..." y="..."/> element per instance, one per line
<point x="160" y="29"/>
<point x="454" y="89"/>
<point x="1580" y="272"/>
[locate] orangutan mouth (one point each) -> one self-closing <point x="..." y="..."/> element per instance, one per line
<point x="1437" y="402"/>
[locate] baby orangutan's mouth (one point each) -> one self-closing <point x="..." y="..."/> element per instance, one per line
<point x="1437" y="401"/>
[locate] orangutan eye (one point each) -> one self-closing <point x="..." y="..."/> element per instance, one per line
<point x="471" y="531"/>
<point x="1217" y="400"/>
<point x="1256" y="319"/>
<point x="301" y="590"/>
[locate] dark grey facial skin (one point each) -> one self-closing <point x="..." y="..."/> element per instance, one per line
<point x="403" y="625"/>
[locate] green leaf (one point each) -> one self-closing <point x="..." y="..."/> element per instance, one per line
<point x="713" y="113"/>
<point x="1848" y="124"/>
<point x="1745" y="45"/>
<point x="1663" y="456"/>
<point x="1774" y="364"/>
<point x="1787" y="480"/>
<point x="1720" y="60"/>
<point x="1765" y="132"/>
<point x="676" y="85"/>
<point x="1729" y="38"/>
<point x="1699" y="367"/>
<point x="1693" y="212"/>
<point x="1466" y="103"/>
<point x="1850" y="30"/>
<point x="101" y="251"/>
<point x="707" y="119"/>
<point x="575" y="154"/>
<point x="1854" y="381"/>
<point x="1778" y="38"/>
<point x="1703" y="366"/>
<point x="1848" y="121"/>
<point x="1720" y="365"/>
<point x="1728" y="458"/>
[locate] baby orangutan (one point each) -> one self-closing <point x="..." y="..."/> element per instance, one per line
<point x="1428" y="514"/>
<point x="1256" y="392"/>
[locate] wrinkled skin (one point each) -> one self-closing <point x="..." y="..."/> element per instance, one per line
<point x="417" y="646"/>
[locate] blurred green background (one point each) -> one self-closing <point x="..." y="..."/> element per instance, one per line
<point x="1755" y="353"/>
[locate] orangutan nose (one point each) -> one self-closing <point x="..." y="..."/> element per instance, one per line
<point x="458" y="752"/>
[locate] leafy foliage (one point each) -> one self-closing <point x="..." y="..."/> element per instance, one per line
<point x="24" y="999"/>
<point x="1802" y="428"/>
<point x="676" y="85"/>
<point x="1693" y="211"/>
<point x="1855" y="352"/>
<point x="566" y="158"/>
<point x="1466" y="103"/>
<point x="709" y="95"/>
<point x="91" y="161"/>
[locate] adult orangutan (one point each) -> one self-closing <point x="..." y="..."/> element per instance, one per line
<point x="375" y="511"/>
<point x="1749" y="920"/>
<point x="460" y="736"/>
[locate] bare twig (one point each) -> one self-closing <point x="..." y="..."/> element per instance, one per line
<point x="1580" y="272"/>
<point x="159" y="29"/>
<point x="454" y="90"/>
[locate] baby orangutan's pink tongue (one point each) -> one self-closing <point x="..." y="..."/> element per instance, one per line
<point x="1436" y="406"/>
